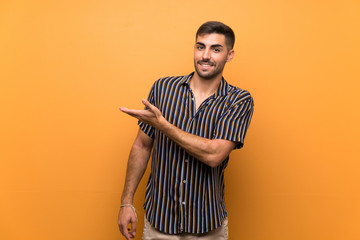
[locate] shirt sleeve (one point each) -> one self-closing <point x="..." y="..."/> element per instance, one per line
<point x="235" y="121"/>
<point x="146" y="128"/>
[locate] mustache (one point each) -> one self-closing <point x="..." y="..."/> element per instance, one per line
<point x="206" y="61"/>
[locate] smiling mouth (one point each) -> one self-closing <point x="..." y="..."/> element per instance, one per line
<point x="206" y="64"/>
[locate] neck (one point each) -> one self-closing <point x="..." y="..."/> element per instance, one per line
<point x="205" y="87"/>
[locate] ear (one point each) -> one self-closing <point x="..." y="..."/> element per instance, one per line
<point x="230" y="55"/>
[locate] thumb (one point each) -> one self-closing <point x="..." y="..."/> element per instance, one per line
<point x="147" y="104"/>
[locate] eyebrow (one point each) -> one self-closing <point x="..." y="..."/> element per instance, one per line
<point x="213" y="46"/>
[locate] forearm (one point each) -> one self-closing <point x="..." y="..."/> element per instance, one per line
<point x="208" y="151"/>
<point x="137" y="163"/>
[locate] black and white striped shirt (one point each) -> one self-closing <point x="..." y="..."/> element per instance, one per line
<point x="184" y="194"/>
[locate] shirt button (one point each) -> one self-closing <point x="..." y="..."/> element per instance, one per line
<point x="186" y="160"/>
<point x="183" y="203"/>
<point x="184" y="181"/>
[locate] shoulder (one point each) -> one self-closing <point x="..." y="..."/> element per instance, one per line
<point x="239" y="95"/>
<point x="171" y="80"/>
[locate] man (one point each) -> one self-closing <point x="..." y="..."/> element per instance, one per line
<point x="190" y="125"/>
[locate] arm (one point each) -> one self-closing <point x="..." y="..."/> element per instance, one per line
<point x="138" y="159"/>
<point x="209" y="151"/>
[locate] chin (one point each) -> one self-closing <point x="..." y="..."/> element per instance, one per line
<point x="206" y="75"/>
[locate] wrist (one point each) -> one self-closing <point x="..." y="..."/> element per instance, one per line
<point x="129" y="206"/>
<point x="126" y="200"/>
<point x="162" y="124"/>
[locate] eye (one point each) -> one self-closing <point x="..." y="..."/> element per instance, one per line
<point x="199" y="47"/>
<point x="217" y="50"/>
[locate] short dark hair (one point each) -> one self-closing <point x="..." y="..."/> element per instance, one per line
<point x="220" y="28"/>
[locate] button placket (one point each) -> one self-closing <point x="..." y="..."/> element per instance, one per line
<point x="181" y="197"/>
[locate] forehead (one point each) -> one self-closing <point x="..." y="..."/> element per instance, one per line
<point x="211" y="39"/>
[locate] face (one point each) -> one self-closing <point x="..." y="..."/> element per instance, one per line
<point x="210" y="55"/>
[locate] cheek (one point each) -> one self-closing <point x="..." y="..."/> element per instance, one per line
<point x="221" y="60"/>
<point x="197" y="55"/>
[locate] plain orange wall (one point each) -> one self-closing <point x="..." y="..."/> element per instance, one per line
<point x="66" y="67"/>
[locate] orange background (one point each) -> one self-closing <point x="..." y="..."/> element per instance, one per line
<point x="66" y="67"/>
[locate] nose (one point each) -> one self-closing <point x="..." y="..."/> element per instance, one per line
<point x="206" y="54"/>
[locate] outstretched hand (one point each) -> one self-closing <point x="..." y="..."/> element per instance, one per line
<point x="151" y="115"/>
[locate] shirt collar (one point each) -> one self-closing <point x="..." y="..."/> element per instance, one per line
<point x="186" y="79"/>
<point x="223" y="88"/>
<point x="221" y="91"/>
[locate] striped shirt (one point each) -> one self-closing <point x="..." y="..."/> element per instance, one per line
<point x="184" y="194"/>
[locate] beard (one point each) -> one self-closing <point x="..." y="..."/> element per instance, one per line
<point x="216" y="71"/>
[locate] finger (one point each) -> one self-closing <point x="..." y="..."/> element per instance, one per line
<point x="126" y="110"/>
<point x="133" y="228"/>
<point x="131" y="112"/>
<point x="125" y="232"/>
